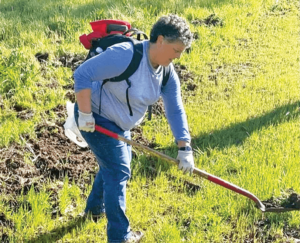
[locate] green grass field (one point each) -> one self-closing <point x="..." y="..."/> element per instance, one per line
<point x="243" y="117"/>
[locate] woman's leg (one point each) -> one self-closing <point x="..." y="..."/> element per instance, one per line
<point x="109" y="186"/>
<point x="95" y="201"/>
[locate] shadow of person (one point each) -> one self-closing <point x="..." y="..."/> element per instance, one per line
<point x="237" y="133"/>
<point x="59" y="232"/>
<point x="233" y="135"/>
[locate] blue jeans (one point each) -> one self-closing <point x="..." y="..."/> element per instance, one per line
<point x="108" y="193"/>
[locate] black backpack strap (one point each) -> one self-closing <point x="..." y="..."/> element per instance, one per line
<point x="149" y="112"/>
<point x="166" y="76"/>
<point x="127" y="96"/>
<point x="104" y="82"/>
<point x="134" y="63"/>
<point x="132" y="67"/>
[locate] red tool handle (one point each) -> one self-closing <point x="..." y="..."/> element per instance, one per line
<point x="201" y="173"/>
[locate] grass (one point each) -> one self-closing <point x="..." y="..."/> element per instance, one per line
<point x="243" y="118"/>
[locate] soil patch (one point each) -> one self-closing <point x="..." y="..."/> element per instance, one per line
<point x="187" y="83"/>
<point x="157" y="109"/>
<point x="137" y="136"/>
<point x="70" y="60"/>
<point x="70" y="95"/>
<point x="23" y="113"/>
<point x="4" y="222"/>
<point x="50" y="156"/>
<point x="186" y="78"/>
<point x="183" y="73"/>
<point x="263" y="226"/>
<point x="260" y="232"/>
<point x="66" y="60"/>
<point x="211" y="20"/>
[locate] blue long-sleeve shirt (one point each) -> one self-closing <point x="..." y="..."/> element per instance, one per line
<point x="146" y="88"/>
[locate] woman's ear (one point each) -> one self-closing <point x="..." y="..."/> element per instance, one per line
<point x="160" y="40"/>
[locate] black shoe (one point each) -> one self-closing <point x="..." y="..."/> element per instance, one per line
<point x="135" y="237"/>
<point x="95" y="217"/>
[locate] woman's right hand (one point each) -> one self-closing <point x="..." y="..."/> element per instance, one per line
<point x="86" y="122"/>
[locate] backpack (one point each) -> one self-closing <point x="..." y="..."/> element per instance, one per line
<point x="109" y="32"/>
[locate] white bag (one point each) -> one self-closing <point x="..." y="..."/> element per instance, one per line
<point x="71" y="129"/>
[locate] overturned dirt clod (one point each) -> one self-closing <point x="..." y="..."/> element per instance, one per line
<point x="293" y="201"/>
<point x="42" y="57"/>
<point x="289" y="200"/>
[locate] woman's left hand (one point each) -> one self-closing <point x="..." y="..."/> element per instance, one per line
<point x="186" y="161"/>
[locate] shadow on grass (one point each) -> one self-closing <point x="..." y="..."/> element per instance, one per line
<point x="237" y="133"/>
<point x="59" y="232"/>
<point x="234" y="135"/>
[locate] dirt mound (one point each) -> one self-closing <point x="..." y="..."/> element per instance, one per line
<point x="211" y="20"/>
<point x="288" y="200"/>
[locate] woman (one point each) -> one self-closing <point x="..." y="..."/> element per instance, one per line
<point x="169" y="37"/>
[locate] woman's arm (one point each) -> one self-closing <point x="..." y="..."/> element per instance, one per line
<point x="175" y="111"/>
<point x="83" y="98"/>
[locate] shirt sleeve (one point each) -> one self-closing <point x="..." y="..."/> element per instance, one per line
<point x="108" y="64"/>
<point x="175" y="113"/>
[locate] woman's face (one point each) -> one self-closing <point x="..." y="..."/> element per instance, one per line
<point x="168" y="51"/>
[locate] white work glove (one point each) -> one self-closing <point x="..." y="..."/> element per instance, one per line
<point x="86" y="122"/>
<point x="186" y="161"/>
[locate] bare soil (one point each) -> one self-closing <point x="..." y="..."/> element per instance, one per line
<point x="51" y="155"/>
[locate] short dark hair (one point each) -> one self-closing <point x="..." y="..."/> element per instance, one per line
<point x="173" y="28"/>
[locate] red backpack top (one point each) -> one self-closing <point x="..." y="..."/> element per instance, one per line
<point x="103" y="28"/>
